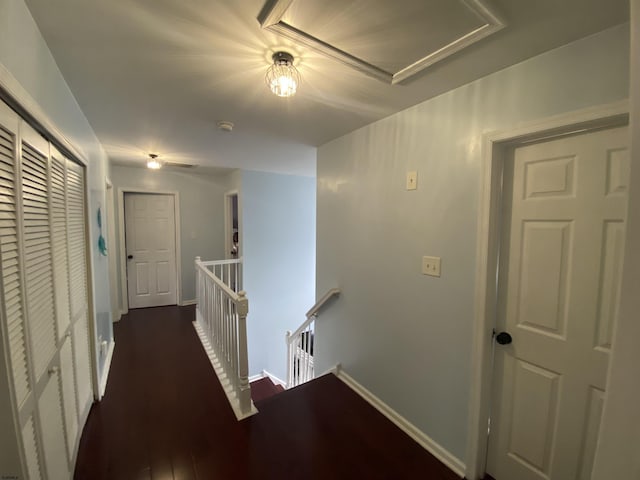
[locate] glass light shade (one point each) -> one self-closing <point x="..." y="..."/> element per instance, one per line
<point x="153" y="164"/>
<point x="282" y="77"/>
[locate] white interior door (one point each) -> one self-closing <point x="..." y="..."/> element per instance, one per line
<point x="151" y="249"/>
<point x="561" y="261"/>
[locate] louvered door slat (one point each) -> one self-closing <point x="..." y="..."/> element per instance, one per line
<point x="31" y="450"/>
<point x="60" y="246"/>
<point x="76" y="239"/>
<point x="55" y="452"/>
<point x="39" y="278"/>
<point x="11" y="285"/>
<point x="69" y="395"/>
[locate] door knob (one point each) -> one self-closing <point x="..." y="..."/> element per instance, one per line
<point x="503" y="338"/>
<point x="129" y="257"/>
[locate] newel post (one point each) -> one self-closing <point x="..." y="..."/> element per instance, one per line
<point x="243" y="361"/>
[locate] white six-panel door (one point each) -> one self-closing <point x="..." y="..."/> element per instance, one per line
<point x="561" y="259"/>
<point x="151" y="249"/>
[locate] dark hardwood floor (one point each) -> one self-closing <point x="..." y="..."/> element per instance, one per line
<point x="165" y="416"/>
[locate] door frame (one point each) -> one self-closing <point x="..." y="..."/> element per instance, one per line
<point x="124" y="292"/>
<point x="228" y="221"/>
<point x="495" y="147"/>
<point x="110" y="206"/>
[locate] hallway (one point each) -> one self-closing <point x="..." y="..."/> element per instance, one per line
<point x="165" y="416"/>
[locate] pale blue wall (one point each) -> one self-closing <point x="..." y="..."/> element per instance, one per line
<point x="279" y="238"/>
<point x="405" y="336"/>
<point x="24" y="55"/>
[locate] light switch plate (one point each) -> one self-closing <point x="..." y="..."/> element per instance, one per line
<point x="431" y="266"/>
<point x="412" y="180"/>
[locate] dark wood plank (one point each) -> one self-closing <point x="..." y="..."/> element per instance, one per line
<point x="164" y="415"/>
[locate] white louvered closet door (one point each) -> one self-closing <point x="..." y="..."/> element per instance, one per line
<point x="61" y="280"/>
<point x="37" y="211"/>
<point x="44" y="315"/>
<point x="38" y="258"/>
<point x="59" y="240"/>
<point x="12" y="287"/>
<point x="78" y="283"/>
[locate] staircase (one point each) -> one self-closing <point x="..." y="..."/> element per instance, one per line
<point x="264" y="389"/>
<point x="300" y="367"/>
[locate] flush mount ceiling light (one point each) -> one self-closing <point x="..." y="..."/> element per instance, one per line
<point x="225" y="126"/>
<point x="153" y="161"/>
<point x="282" y="77"/>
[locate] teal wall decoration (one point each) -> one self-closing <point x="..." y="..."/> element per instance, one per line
<point x="102" y="244"/>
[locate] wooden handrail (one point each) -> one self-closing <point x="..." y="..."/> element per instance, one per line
<point x="325" y="298"/>
<point x="311" y="314"/>
<point x="221" y="262"/>
<point x="234" y="296"/>
<point x="221" y="324"/>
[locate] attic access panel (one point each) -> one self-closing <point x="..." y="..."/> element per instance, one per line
<point x="391" y="41"/>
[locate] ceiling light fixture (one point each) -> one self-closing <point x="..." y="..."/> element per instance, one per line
<point x="225" y="125"/>
<point x="282" y="77"/>
<point x="153" y="161"/>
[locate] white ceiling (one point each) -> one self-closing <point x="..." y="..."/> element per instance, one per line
<point x="157" y="75"/>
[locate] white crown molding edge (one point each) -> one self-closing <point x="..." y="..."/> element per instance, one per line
<point x="18" y="94"/>
<point x="270" y="18"/>
<point x="430" y="445"/>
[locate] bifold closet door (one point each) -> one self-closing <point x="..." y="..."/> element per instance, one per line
<point x="78" y="284"/>
<point x="38" y="257"/>
<point x="60" y="247"/>
<point x="44" y="313"/>
<point x="37" y="209"/>
<point x="12" y="287"/>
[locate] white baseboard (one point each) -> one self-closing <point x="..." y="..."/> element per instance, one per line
<point x="274" y="379"/>
<point x="265" y="374"/>
<point x="106" y="368"/>
<point x="222" y="377"/>
<point x="455" y="464"/>
<point x="186" y="303"/>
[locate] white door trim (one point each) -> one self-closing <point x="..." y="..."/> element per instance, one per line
<point x="122" y="248"/>
<point x="110" y="206"/>
<point x="494" y="146"/>
<point x="228" y="221"/>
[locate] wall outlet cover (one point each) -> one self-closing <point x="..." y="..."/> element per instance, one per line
<point x="431" y="266"/>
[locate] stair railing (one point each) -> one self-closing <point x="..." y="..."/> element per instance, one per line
<point x="300" y="345"/>
<point x="221" y="323"/>
<point x="229" y="271"/>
